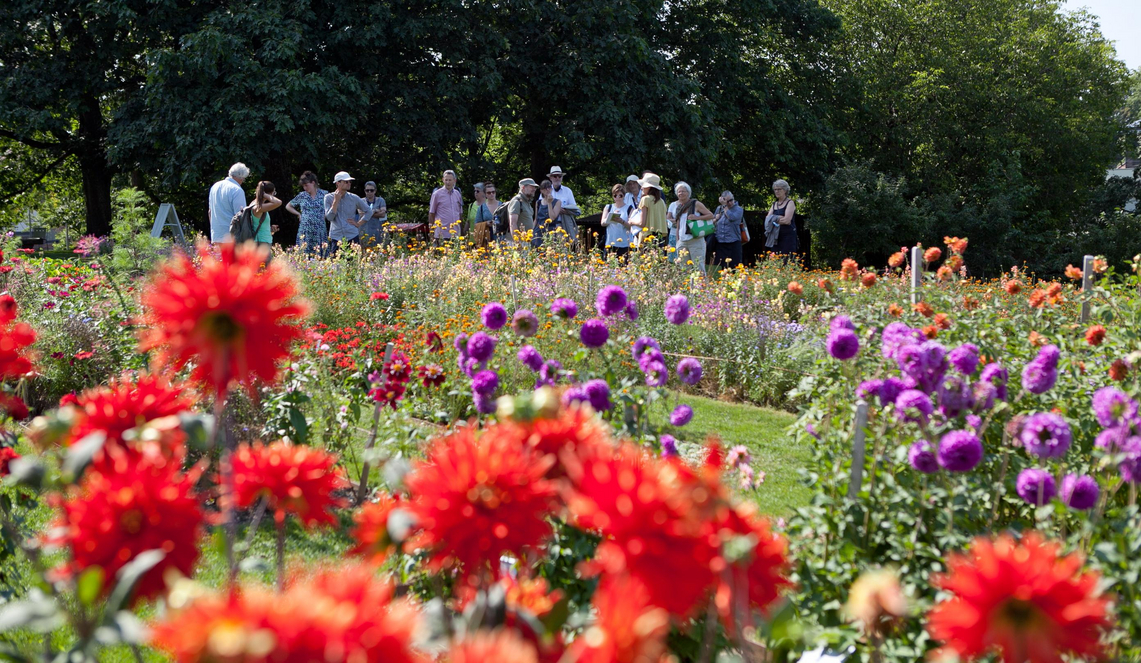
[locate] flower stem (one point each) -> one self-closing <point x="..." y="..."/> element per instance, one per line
<point x="281" y="555"/>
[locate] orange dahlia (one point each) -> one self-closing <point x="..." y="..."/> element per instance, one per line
<point x="1095" y="335"/>
<point x="292" y="478"/>
<point x="824" y="284"/>
<point x="849" y="269"/>
<point x="477" y="499"/>
<point x="347" y="614"/>
<point x="932" y="254"/>
<point x="868" y="280"/>
<point x="651" y="515"/>
<point x="371" y="531"/>
<point x="111" y="518"/>
<point x="499" y="646"/>
<point x="15" y="338"/>
<point x="228" y="317"/>
<point x="923" y="308"/>
<point x="795" y="288"/>
<point x="1013" y="287"/>
<point x="1020" y="600"/>
<point x="897" y="259"/>
<point x="1073" y="273"/>
<point x="894" y="310"/>
<point x="629" y="628"/>
<point x="956" y="244"/>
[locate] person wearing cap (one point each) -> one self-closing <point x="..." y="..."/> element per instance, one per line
<point x="653" y="209"/>
<point x="346" y="212"/>
<point x="569" y="208"/>
<point x="633" y="191"/>
<point x="445" y="208"/>
<point x="372" y="232"/>
<point x="520" y="212"/>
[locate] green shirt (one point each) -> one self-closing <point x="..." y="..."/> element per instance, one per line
<point x="263" y="234"/>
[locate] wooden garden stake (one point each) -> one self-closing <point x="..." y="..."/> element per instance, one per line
<point x="362" y="490"/>
<point x="514" y="301"/>
<point x="858" y="449"/>
<point x="1087" y="285"/>
<point x="916" y="273"/>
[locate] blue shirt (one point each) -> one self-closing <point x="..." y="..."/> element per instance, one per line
<point x="728" y="227"/>
<point x="351" y="208"/>
<point x="226" y="199"/>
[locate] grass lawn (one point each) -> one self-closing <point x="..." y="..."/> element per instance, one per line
<point x="762" y="430"/>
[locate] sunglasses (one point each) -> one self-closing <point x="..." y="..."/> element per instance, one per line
<point x="556" y="177"/>
<point x="490" y="192"/>
<point x="370" y="190"/>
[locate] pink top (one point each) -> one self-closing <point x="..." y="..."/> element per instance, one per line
<point x="447" y="208"/>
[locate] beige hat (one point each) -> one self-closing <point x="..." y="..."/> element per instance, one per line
<point x="555" y="170"/>
<point x="652" y="181"/>
<point x="527" y="181"/>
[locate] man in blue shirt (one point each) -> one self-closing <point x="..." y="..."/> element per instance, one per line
<point x="729" y="231"/>
<point x="346" y="212"/>
<point x="227" y="199"/>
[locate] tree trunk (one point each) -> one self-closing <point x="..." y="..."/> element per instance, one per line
<point x="96" y="171"/>
<point x="96" y="192"/>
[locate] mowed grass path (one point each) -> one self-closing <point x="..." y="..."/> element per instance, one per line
<point x="763" y="432"/>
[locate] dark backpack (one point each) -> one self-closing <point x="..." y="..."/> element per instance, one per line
<point x="502" y="221"/>
<point x="242" y="225"/>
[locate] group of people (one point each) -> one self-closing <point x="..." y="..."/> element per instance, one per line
<point x="637" y="216"/>
<point x="325" y="219"/>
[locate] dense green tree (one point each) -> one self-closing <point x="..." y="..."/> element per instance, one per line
<point x="66" y="67"/>
<point x="954" y="92"/>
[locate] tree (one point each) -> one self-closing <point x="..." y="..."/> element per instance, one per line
<point x="953" y="91"/>
<point x="66" y="68"/>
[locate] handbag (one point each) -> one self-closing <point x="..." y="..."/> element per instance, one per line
<point x="698" y="228"/>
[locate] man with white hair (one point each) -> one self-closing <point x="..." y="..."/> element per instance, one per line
<point x="227" y="199"/>
<point x="565" y="196"/>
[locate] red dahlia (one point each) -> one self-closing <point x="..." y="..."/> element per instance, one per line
<point x="347" y="614"/>
<point x="432" y="375"/>
<point x="292" y="478"/>
<point x="1020" y="600"/>
<point x="111" y="518"/>
<point x="573" y="431"/>
<point x="15" y="337"/>
<point x="228" y="317"/>
<point x="477" y="499"/>
<point x="371" y="531"/>
<point x="651" y="516"/>
<point x="124" y="405"/>
<point x="628" y="627"/>
<point x="7" y="455"/>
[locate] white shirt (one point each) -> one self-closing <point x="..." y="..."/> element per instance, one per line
<point x="616" y="233"/>
<point x="226" y="199"/>
<point x="564" y="196"/>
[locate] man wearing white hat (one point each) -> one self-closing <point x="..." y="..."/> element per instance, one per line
<point x="346" y="212"/>
<point x="633" y="190"/>
<point x="565" y="196"/>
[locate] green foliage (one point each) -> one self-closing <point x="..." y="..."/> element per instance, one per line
<point x="864" y="215"/>
<point x="135" y="251"/>
<point x="1007" y="106"/>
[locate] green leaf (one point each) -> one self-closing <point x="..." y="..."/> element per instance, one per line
<point x="89" y="585"/>
<point x="80" y="455"/>
<point x="129" y="577"/>
<point x="300" y="425"/>
<point x="37" y="613"/>
<point x="27" y="472"/>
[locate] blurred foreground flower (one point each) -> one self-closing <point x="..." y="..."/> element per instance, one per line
<point x="1021" y="600"/>
<point x="228" y="317"/>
